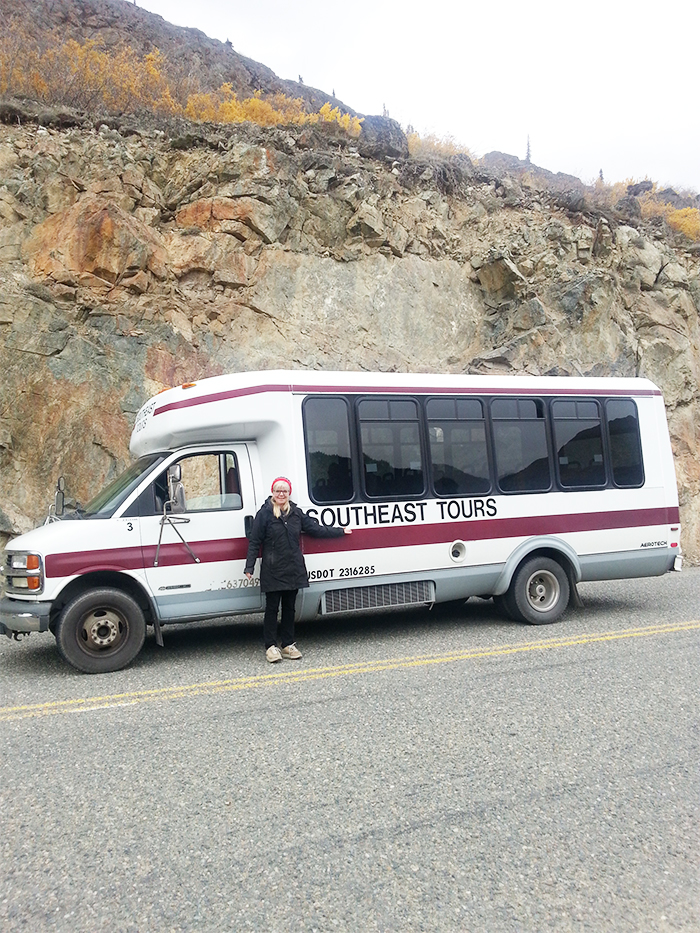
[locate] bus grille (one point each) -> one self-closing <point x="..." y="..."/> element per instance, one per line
<point x="378" y="597"/>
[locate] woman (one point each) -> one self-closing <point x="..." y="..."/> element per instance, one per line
<point x="277" y="529"/>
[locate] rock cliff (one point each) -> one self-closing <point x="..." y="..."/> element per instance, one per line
<point x="134" y="258"/>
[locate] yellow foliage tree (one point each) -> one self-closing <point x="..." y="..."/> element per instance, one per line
<point x="351" y="125"/>
<point x="223" y="106"/>
<point x="85" y="76"/>
<point x="687" y="221"/>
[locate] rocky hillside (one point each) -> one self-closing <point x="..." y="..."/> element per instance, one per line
<point x="133" y="260"/>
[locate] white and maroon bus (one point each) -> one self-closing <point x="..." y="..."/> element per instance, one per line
<point x="512" y="487"/>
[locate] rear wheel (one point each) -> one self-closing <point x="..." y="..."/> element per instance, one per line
<point x="501" y="604"/>
<point x="100" y="631"/>
<point x="539" y="592"/>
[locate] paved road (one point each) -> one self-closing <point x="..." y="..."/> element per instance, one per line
<point x="416" y="771"/>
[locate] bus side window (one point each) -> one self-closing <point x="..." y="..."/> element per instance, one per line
<point x="520" y="444"/>
<point x="329" y="460"/>
<point x="152" y="500"/>
<point x="210" y="482"/>
<point x="625" y="445"/>
<point x="579" y="441"/>
<point x="458" y="453"/>
<point x="392" y="460"/>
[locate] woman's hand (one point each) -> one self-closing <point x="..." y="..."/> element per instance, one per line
<point x="347" y="531"/>
<point x="248" y="575"/>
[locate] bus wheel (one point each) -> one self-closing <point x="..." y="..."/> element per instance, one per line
<point x="101" y="630"/>
<point x="539" y="592"/>
<point x="503" y="608"/>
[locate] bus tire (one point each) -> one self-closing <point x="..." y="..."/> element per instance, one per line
<point x="502" y="607"/>
<point x="539" y="592"/>
<point x="100" y="631"/>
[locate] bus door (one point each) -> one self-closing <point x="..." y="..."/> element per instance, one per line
<point x="193" y="520"/>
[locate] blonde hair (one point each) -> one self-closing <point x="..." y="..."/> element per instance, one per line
<point x="277" y="511"/>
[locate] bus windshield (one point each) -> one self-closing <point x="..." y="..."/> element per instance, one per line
<point x="106" y="502"/>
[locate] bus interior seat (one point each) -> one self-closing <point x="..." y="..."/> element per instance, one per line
<point x="231" y="483"/>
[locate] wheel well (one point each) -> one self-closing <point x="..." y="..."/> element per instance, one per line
<point x="553" y="554"/>
<point x="89" y="581"/>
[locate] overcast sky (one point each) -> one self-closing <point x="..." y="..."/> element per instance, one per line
<point x="605" y="84"/>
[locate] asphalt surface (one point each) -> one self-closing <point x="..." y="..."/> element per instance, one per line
<point x="437" y="771"/>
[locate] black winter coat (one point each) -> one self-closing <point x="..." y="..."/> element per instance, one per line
<point x="283" y="566"/>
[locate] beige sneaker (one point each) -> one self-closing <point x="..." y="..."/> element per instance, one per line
<point x="273" y="654"/>
<point x="291" y="652"/>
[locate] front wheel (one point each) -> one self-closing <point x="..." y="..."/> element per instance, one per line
<point x="100" y="631"/>
<point x="539" y="592"/>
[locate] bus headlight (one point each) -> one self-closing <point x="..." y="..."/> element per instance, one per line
<point x="24" y="572"/>
<point x="25" y="561"/>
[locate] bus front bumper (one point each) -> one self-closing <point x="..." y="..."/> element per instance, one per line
<point x="18" y="617"/>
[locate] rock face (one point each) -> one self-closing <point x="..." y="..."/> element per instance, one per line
<point x="128" y="264"/>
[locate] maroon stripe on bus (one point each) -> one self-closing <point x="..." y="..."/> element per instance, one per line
<point x="401" y="390"/>
<point x="473" y="390"/>
<point x="220" y="397"/>
<point x="397" y="535"/>
<point x="136" y="558"/>
<point x="402" y="535"/>
<point x="75" y="562"/>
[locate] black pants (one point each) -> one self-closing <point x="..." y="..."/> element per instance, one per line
<point x="286" y="629"/>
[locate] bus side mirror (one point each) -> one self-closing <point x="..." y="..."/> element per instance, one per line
<point x="59" y="499"/>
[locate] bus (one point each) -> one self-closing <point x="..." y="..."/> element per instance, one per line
<point x="515" y="488"/>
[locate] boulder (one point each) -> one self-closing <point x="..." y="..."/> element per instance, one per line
<point x="501" y="279"/>
<point x="382" y="138"/>
<point x="94" y="237"/>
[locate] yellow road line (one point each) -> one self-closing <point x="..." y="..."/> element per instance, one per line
<point x="301" y="675"/>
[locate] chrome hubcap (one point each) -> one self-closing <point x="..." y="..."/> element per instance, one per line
<point x="543" y="591"/>
<point x="102" y="628"/>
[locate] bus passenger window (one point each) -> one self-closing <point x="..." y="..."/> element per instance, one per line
<point x="327" y="431"/>
<point x="458" y="454"/>
<point x="392" y="460"/>
<point x="625" y="444"/>
<point x="520" y="443"/>
<point x="579" y="441"/>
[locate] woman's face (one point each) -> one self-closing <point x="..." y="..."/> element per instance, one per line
<point x="280" y="493"/>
